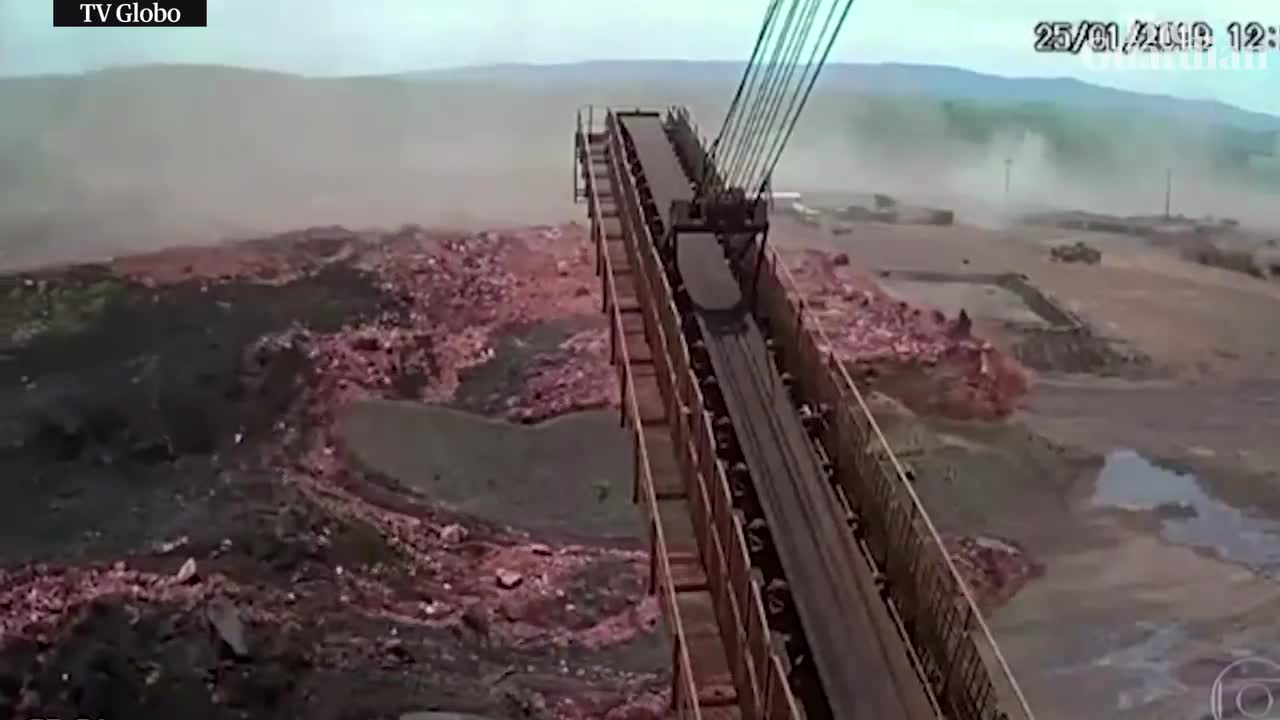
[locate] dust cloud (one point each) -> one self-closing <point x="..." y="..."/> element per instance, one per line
<point x="133" y="160"/>
<point x="1017" y="160"/>
<point x="137" y="159"/>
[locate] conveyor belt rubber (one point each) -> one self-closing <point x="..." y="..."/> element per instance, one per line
<point x="662" y="169"/>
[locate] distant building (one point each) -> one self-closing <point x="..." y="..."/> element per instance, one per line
<point x="1268" y="262"/>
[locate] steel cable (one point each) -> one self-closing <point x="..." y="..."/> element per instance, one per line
<point x="771" y="138"/>
<point x="757" y="96"/>
<point x="731" y="114"/>
<point x="813" y="79"/>
<point x="748" y="125"/>
<point x="771" y="125"/>
<point x="772" y="93"/>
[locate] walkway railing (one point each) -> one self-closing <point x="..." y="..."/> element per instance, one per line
<point x="684" y="689"/>
<point x="763" y="690"/>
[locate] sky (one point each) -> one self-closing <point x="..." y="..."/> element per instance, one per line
<point x="357" y="37"/>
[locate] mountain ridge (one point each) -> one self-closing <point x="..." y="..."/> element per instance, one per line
<point x="935" y="81"/>
<point x="940" y="81"/>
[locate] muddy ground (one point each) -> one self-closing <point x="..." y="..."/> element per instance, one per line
<point x="1135" y="479"/>
<point x="185" y="525"/>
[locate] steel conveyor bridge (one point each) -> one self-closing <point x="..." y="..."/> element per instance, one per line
<point x="799" y="573"/>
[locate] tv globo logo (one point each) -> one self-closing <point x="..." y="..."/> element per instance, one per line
<point x="153" y="13"/>
<point x="1247" y="688"/>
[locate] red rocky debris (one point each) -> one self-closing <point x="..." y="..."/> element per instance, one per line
<point x="187" y="572"/>
<point x="34" y="601"/>
<point x="274" y="260"/>
<point x="580" y="378"/>
<point x="453" y="294"/>
<point x="453" y="534"/>
<point x="994" y="569"/>
<point x="455" y="291"/>
<point x="644" y="706"/>
<point x="508" y="579"/>
<point x="867" y="328"/>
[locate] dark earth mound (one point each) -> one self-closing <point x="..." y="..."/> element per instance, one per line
<point x="183" y="533"/>
<point x="114" y="426"/>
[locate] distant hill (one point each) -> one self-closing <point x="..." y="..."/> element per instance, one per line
<point x="888" y="78"/>
<point x="680" y="76"/>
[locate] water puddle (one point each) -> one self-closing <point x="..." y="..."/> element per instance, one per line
<point x="1148" y="662"/>
<point x="1133" y="659"/>
<point x="1189" y="515"/>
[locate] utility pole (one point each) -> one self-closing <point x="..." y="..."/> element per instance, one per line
<point x="1168" y="191"/>
<point x="1008" y="167"/>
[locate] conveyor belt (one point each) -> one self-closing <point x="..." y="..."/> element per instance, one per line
<point x="662" y="169"/>
<point x="863" y="666"/>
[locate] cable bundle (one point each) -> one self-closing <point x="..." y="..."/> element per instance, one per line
<point x="774" y="89"/>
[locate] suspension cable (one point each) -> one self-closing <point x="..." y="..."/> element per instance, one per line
<point x="813" y="79"/>
<point x="750" y="126"/>
<point x="771" y="125"/>
<point x="730" y="116"/>
<point x="772" y="93"/>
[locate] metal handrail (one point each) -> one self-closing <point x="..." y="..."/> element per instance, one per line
<point x="687" y="701"/>
<point x="791" y="286"/>
<point x="602" y="113"/>
<point x="708" y="486"/>
<point x="768" y="690"/>
<point x="937" y="639"/>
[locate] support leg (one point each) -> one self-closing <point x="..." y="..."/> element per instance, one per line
<point x="755" y="276"/>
